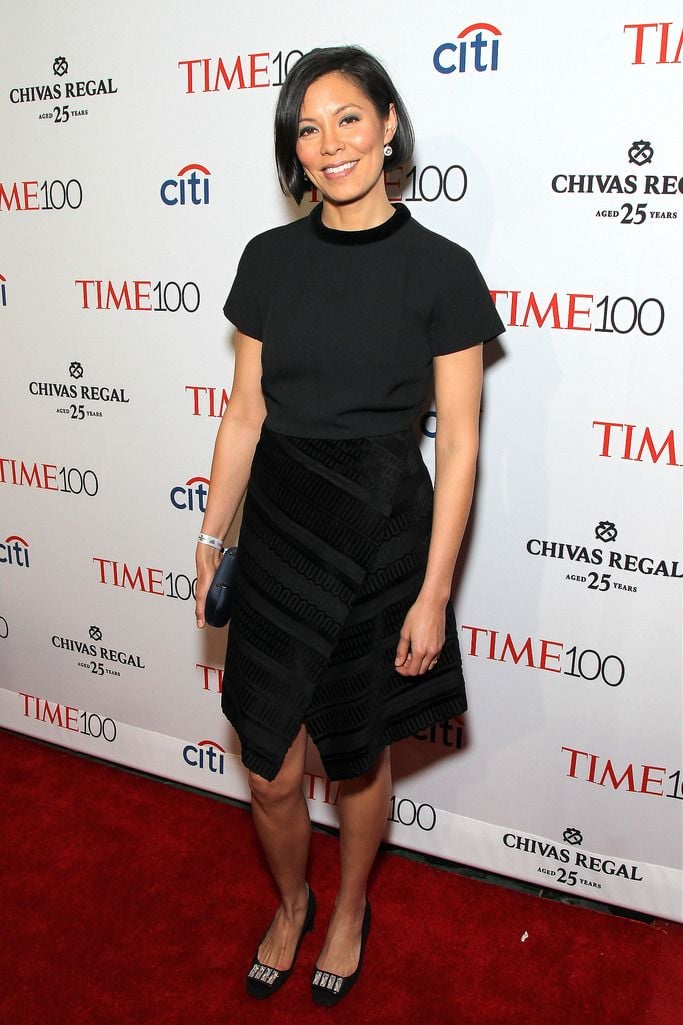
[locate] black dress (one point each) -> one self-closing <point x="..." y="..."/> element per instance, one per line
<point x="337" y="515"/>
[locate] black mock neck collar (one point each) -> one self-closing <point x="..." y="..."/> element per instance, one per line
<point x="358" y="238"/>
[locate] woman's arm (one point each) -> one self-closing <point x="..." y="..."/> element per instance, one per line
<point x="457" y="382"/>
<point x="232" y="457"/>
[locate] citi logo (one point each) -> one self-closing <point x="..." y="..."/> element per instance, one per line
<point x="449" y="733"/>
<point x="206" y="755"/>
<point x="3" y="292"/>
<point x="14" y="551"/>
<point x="450" y="57"/>
<point x="191" y="495"/>
<point x="645" y="41"/>
<point x="192" y="189"/>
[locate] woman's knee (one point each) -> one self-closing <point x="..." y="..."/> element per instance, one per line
<point x="289" y="779"/>
<point x="271" y="792"/>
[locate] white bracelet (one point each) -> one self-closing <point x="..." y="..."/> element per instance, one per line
<point x="214" y="542"/>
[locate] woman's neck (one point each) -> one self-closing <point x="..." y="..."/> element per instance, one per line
<point x="368" y="212"/>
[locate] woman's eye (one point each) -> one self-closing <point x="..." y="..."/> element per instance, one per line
<point x="306" y="130"/>
<point x="349" y="119"/>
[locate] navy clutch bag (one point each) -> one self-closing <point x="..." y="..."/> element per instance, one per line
<point x="218" y="605"/>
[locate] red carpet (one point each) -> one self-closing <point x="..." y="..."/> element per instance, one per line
<point x="129" y="901"/>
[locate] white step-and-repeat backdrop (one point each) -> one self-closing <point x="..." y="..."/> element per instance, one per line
<point x="136" y="163"/>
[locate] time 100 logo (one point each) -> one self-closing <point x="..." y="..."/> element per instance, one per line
<point x="421" y="184"/>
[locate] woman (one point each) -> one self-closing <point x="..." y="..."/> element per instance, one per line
<point x="342" y="628"/>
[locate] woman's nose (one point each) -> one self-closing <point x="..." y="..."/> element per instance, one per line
<point x="329" y="141"/>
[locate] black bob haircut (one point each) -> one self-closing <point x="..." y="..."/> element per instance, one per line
<point x="370" y="77"/>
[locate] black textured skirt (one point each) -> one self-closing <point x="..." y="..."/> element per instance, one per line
<point x="332" y="554"/>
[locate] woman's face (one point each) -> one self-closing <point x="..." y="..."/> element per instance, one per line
<point x="342" y="138"/>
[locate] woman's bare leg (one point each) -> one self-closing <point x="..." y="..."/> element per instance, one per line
<point x="283" y="825"/>
<point x="363" y="806"/>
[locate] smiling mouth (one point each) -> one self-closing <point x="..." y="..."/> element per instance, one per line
<point x="339" y="170"/>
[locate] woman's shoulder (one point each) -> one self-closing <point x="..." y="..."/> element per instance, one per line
<point x="437" y="246"/>
<point x="275" y="240"/>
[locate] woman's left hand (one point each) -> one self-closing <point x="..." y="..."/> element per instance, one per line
<point x="422" y="637"/>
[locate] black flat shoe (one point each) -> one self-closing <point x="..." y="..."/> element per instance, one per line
<point x="262" y="980"/>
<point x="328" y="989"/>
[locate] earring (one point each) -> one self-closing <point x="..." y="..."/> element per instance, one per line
<point x="388" y="150"/>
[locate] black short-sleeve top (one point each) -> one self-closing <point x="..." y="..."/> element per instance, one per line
<point x="350" y="321"/>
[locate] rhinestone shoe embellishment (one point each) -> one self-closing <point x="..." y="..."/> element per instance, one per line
<point x="328" y="980"/>
<point x="263" y="973"/>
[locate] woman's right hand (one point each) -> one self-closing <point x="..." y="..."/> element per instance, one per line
<point x="207" y="561"/>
